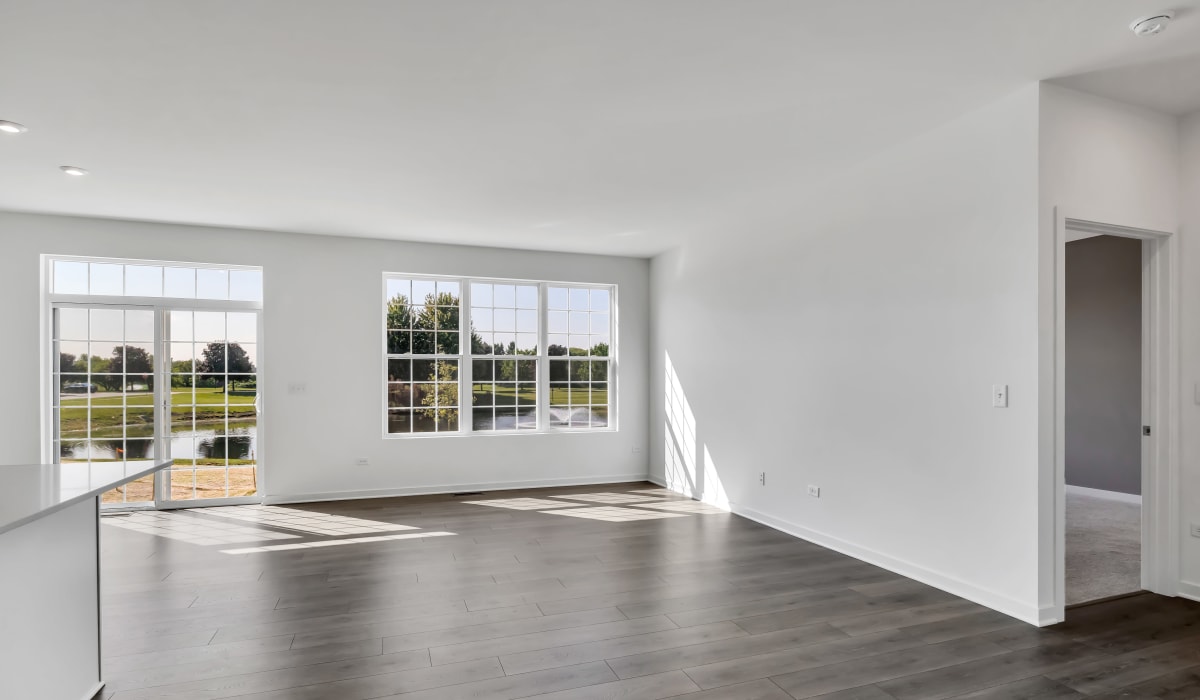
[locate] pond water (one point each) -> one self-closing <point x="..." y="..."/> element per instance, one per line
<point x="526" y="418"/>
<point x="239" y="441"/>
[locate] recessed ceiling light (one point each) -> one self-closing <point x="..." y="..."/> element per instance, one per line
<point x="72" y="170"/>
<point x="12" y="127"/>
<point x="1154" y="24"/>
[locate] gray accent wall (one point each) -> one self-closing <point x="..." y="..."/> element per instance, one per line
<point x="1104" y="364"/>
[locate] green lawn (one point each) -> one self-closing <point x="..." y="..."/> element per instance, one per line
<point x="509" y="395"/>
<point x="108" y="415"/>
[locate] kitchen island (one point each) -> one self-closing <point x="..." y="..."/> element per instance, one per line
<point x="50" y="576"/>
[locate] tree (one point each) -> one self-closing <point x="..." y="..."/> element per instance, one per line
<point x="442" y="398"/>
<point x="428" y="329"/>
<point x="215" y="362"/>
<point x="66" y="363"/>
<point x="399" y="323"/>
<point x="134" y="362"/>
<point x="181" y="373"/>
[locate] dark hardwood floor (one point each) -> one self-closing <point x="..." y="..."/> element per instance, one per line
<point x="652" y="601"/>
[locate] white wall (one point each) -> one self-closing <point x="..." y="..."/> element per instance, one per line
<point x="1108" y="162"/>
<point x="852" y="343"/>
<point x="321" y="290"/>
<point x="1190" y="349"/>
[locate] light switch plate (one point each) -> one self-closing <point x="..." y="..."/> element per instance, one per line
<point x="999" y="396"/>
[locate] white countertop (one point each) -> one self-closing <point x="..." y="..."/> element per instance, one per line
<point x="33" y="491"/>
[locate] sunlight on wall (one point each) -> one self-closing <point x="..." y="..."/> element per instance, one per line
<point x="683" y="471"/>
<point x="679" y="436"/>
<point x="714" y="490"/>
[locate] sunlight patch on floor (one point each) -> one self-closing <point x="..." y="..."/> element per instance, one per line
<point x="522" y="503"/>
<point x="306" y="521"/>
<point x="176" y="526"/>
<point x="614" y="514"/>
<point x="684" y="507"/>
<point x="609" y="497"/>
<point x="335" y="543"/>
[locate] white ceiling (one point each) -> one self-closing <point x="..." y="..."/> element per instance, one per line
<point x="1171" y="86"/>
<point x="613" y="126"/>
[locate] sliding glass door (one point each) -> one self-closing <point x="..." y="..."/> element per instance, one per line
<point x="104" y="389"/>
<point x="212" y="402"/>
<point x="138" y="385"/>
<point x="154" y="361"/>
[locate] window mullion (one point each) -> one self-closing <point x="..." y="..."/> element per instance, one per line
<point x="466" y="379"/>
<point x="543" y="373"/>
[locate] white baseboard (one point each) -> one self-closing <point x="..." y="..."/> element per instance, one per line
<point x="94" y="691"/>
<point x="1188" y="590"/>
<point x="1107" y="495"/>
<point x="996" y="601"/>
<point x="452" y="488"/>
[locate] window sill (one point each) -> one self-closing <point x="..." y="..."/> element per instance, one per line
<point x="500" y="433"/>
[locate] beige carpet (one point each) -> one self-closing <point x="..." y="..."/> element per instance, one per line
<point x="1104" y="556"/>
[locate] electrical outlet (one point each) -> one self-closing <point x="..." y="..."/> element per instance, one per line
<point x="637" y="450"/>
<point x="762" y="478"/>
<point x="297" y="388"/>
<point x="362" y="462"/>
<point x="814" y="491"/>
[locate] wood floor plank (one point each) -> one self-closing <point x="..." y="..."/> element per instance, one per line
<point x="882" y="667"/>
<point x="512" y="628"/>
<point x="736" y="648"/>
<point x="280" y="679"/>
<point x="777" y="663"/>
<point x="521" y="603"/>
<point x="661" y="685"/>
<point x="556" y="639"/>
<point x="1036" y="688"/>
<point x="522" y="686"/>
<point x="994" y="670"/>
<point x="524" y="662"/>
<point x="754" y="690"/>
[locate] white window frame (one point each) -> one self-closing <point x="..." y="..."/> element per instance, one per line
<point x="465" y="358"/>
<point x="159" y="304"/>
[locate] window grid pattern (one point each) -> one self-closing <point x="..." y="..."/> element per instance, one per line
<point x="147" y="279"/>
<point x="504" y="347"/>
<point x="529" y="350"/>
<point x="103" y="398"/>
<point x="580" y="320"/>
<point x="214" y="421"/>
<point x="424" y="355"/>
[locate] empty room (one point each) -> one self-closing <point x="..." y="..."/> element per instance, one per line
<point x="599" y="350"/>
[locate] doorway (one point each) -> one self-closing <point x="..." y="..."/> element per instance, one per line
<point x="137" y="385"/>
<point x="1157" y="427"/>
<point x="156" y="362"/>
<point x="1104" y="426"/>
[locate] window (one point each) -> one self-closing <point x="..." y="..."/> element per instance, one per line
<point x="424" y="355"/>
<point x="504" y="349"/>
<point x="156" y="361"/>
<point x="580" y="319"/>
<point x="496" y="356"/>
<point x="112" y="278"/>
